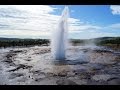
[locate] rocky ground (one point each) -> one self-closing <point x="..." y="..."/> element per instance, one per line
<point x="84" y="65"/>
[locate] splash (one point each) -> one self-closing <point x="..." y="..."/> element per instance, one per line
<point x="59" y="38"/>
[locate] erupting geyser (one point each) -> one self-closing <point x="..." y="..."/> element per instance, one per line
<point x="59" y="38"/>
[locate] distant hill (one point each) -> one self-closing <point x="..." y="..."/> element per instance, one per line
<point x="97" y="41"/>
<point x="7" y="42"/>
<point x="1" y="38"/>
<point x="101" y="38"/>
<point x="106" y="38"/>
<point x="11" y="42"/>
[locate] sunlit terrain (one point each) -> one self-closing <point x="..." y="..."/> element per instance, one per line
<point x="84" y="65"/>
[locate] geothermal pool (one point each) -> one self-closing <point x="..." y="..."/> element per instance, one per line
<point x="83" y="65"/>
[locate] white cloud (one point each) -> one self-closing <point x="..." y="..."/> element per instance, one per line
<point x="36" y="9"/>
<point x="115" y="9"/>
<point x="37" y="20"/>
<point x="115" y="26"/>
<point x="23" y="33"/>
<point x="82" y="28"/>
<point x="34" y="20"/>
<point x="94" y="34"/>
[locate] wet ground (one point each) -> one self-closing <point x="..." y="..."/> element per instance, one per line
<point x="84" y="65"/>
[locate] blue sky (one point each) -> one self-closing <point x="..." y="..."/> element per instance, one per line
<point x="95" y="14"/>
<point x="39" y="21"/>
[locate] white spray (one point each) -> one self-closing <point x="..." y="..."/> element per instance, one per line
<point x="59" y="38"/>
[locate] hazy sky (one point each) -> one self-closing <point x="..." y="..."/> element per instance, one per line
<point x="38" y="21"/>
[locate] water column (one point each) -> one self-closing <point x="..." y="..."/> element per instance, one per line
<point x="59" y="38"/>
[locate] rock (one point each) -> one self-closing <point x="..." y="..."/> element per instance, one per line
<point x="80" y="71"/>
<point x="17" y="51"/>
<point x="10" y="58"/>
<point x="102" y="77"/>
<point x="102" y="51"/>
<point x="21" y="66"/>
<point x="76" y="62"/>
<point x="70" y="74"/>
<point x="119" y="64"/>
<point x="49" y="74"/>
<point x="62" y="74"/>
<point x="112" y="71"/>
<point x="85" y="51"/>
<point x="3" y="79"/>
<point x="14" y="75"/>
<point x="36" y="71"/>
<point x="96" y="66"/>
<point x="78" y="81"/>
<point x="114" y="82"/>
<point x="1" y="68"/>
<point x="40" y="77"/>
<point x="65" y="82"/>
<point x="46" y="81"/>
<point x="24" y="66"/>
<point x="23" y="79"/>
<point x="8" y="61"/>
<point x="28" y="59"/>
<point x="93" y="82"/>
